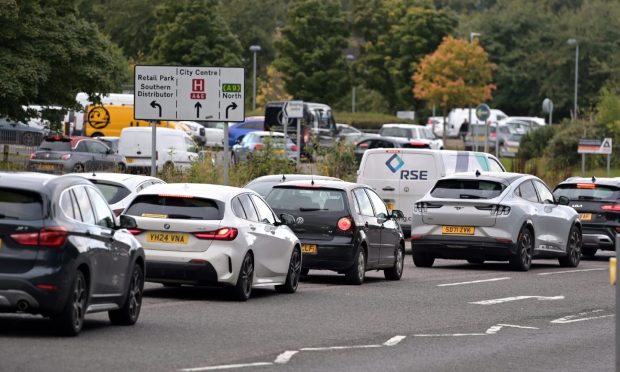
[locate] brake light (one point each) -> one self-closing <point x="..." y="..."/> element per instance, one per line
<point x="258" y="146"/>
<point x="117" y="212"/>
<point x="618" y="230"/>
<point x="611" y="207"/>
<point x="417" y="236"/>
<point x="52" y="237"/>
<point x="345" y="223"/>
<point x="47" y="287"/>
<point x="223" y="233"/>
<point x="306" y="135"/>
<point x="65" y="156"/>
<point x="294" y="148"/>
<point x="393" y="151"/>
<point x="135" y="231"/>
<point x="175" y="196"/>
<point x="33" y="156"/>
<point x="586" y="186"/>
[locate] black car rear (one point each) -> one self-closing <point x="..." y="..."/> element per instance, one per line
<point x="597" y="200"/>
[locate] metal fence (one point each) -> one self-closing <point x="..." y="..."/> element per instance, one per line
<point x="16" y="155"/>
<point x="19" y="137"/>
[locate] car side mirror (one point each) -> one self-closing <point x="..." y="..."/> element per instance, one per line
<point x="287" y="219"/>
<point x="563" y="200"/>
<point x="127" y="222"/>
<point x="397" y="214"/>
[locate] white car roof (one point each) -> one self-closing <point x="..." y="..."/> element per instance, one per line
<point x="397" y="125"/>
<point x="122" y="178"/>
<point x="291" y="177"/>
<point x="266" y="133"/>
<point x="216" y="192"/>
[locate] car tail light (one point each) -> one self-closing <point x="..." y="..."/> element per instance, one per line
<point x="65" y="156"/>
<point x="306" y="135"/>
<point x="223" y="233"/>
<point x="135" y="231"/>
<point x="503" y="240"/>
<point x="345" y="224"/>
<point x="52" y="237"/>
<point x="422" y="207"/>
<point x="586" y="186"/>
<point x="618" y="230"/>
<point x="117" y="212"/>
<point x="417" y="236"/>
<point x="258" y="146"/>
<point x="500" y="210"/>
<point x="294" y="148"/>
<point x="611" y="207"/>
<point x="47" y="287"/>
<point x="33" y="156"/>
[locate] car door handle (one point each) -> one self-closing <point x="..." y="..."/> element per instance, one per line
<point x="388" y="188"/>
<point x="252" y="227"/>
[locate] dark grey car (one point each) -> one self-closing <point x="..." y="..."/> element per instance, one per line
<point x="60" y="154"/>
<point x="14" y="132"/>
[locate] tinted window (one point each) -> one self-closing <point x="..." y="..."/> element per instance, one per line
<point x="467" y="189"/>
<point x="82" y="147"/>
<point x="96" y="147"/>
<point x="55" y="145"/>
<point x="102" y="211"/>
<point x="306" y="200"/>
<point x="262" y="188"/>
<point x="66" y="204"/>
<point x="396" y="132"/>
<point x="252" y="125"/>
<point x="545" y="195"/>
<point x="527" y="191"/>
<point x="172" y="206"/>
<point x="248" y="208"/>
<point x="266" y="216"/>
<point x="88" y="216"/>
<point x="20" y="205"/>
<point x="380" y="208"/>
<point x="588" y="191"/>
<point x="238" y="209"/>
<point x="363" y="202"/>
<point x="495" y="166"/>
<point x="112" y="192"/>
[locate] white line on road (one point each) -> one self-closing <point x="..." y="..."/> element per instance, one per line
<point x="339" y="348"/>
<point x="473" y="282"/>
<point x="285" y="356"/>
<point x="496" y="328"/>
<point x="394" y="341"/>
<point x="572" y="271"/>
<point x="449" y="334"/>
<point x="516" y="298"/>
<point x="578" y="317"/>
<point x="227" y="366"/>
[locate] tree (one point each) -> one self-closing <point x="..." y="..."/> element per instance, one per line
<point x="271" y="88"/>
<point x="192" y="32"/>
<point x="415" y="29"/>
<point x="310" y="52"/>
<point x="457" y="74"/>
<point x="48" y="55"/>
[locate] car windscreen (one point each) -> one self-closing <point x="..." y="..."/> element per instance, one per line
<point x="55" y="145"/>
<point x="299" y="199"/>
<point x="396" y="132"/>
<point x="18" y="204"/>
<point x="112" y="192"/>
<point x="467" y="189"/>
<point x="262" y="188"/>
<point x="588" y="191"/>
<point x="176" y="206"/>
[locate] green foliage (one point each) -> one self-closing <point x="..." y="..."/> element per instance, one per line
<point x="48" y="55"/>
<point x="338" y="162"/>
<point x="193" y="32"/>
<point x="366" y="100"/>
<point x="561" y="151"/>
<point x="533" y="143"/>
<point x="261" y="163"/>
<point x="368" y="120"/>
<point x="310" y="52"/>
<point x="415" y="28"/>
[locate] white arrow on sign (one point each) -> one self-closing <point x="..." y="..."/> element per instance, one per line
<point x="516" y="298"/>
<point x="294" y="109"/>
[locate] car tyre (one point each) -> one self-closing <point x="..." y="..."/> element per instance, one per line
<point x="243" y="289"/>
<point x="130" y="312"/>
<point x="588" y="251"/>
<point x="522" y="260"/>
<point x="70" y="321"/>
<point x="294" y="272"/>
<point x="356" y="274"/>
<point x="421" y="259"/>
<point x="573" y="249"/>
<point x="396" y="272"/>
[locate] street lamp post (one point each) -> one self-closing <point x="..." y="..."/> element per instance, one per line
<point x="351" y="58"/>
<point x="576" y="44"/>
<point x="471" y="41"/>
<point x="254" y="49"/>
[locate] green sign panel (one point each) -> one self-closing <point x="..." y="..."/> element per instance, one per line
<point x="231" y="88"/>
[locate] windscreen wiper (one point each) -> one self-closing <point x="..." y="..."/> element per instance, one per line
<point x="469" y="196"/>
<point x="312" y="209"/>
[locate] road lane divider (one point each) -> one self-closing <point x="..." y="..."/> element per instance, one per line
<point x="474" y="282"/>
<point x="227" y="366"/>
<point x="516" y="298"/>
<point x="581" y="317"/>
<point x="571" y="271"/>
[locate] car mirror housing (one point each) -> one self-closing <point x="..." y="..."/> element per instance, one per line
<point x="287" y="219"/>
<point x="396" y="214"/>
<point x="563" y="200"/>
<point x="127" y="222"/>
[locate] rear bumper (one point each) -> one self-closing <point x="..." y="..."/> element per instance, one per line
<point x="190" y="273"/>
<point x="601" y="237"/>
<point x="22" y="295"/>
<point x="331" y="255"/>
<point x="459" y="247"/>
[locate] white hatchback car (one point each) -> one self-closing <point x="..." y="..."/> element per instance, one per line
<point x="119" y="188"/>
<point x="211" y="234"/>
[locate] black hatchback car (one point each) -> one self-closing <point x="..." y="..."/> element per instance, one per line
<point x="597" y="200"/>
<point x="342" y="226"/>
<point x="387" y="143"/>
<point x="62" y="254"/>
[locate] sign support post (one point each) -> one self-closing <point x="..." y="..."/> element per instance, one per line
<point x="299" y="142"/>
<point x="154" y="148"/>
<point x="608" y="165"/>
<point x="497" y="140"/>
<point x="486" y="136"/>
<point x="483" y="112"/>
<point x="595" y="146"/>
<point x="583" y="165"/>
<point x="226" y="156"/>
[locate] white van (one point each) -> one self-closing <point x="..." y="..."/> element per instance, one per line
<point x="457" y="116"/>
<point x="174" y="148"/>
<point x="402" y="176"/>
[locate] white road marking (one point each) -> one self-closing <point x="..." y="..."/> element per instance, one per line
<point x="227" y="366"/>
<point x="473" y="282"/>
<point x="578" y="317"/>
<point x="516" y="298"/>
<point x="394" y="341"/>
<point x="449" y="334"/>
<point x="496" y="328"/>
<point x="166" y="304"/>
<point x="285" y="356"/>
<point x="572" y="271"/>
<point x="339" y="348"/>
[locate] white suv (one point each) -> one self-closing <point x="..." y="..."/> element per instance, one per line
<point x="412" y="131"/>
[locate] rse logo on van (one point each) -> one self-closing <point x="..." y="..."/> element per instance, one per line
<point x="394" y="163"/>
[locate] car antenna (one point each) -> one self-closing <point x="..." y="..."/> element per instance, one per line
<point x="283" y="178"/>
<point x="311" y="178"/>
<point x="593" y="179"/>
<point x="477" y="173"/>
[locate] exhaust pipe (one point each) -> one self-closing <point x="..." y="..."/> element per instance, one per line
<point x="22" y="305"/>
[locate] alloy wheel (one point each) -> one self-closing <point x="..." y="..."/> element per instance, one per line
<point x="135" y="294"/>
<point x="79" y="302"/>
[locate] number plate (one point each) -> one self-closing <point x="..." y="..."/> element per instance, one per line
<point x="168" y="238"/>
<point x="130" y="160"/>
<point x="585" y="216"/>
<point x="47" y="166"/>
<point x="458" y="230"/>
<point x="308" y="248"/>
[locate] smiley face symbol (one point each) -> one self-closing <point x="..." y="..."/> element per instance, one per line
<point x="98" y="117"/>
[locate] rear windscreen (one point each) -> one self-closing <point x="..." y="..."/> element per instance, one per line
<point x="467" y="189"/>
<point x="53" y="145"/>
<point x="262" y="188"/>
<point x="178" y="207"/>
<point x="20" y="205"/>
<point x="588" y="191"/>
<point x="396" y="132"/>
<point x="113" y="193"/>
<point x="307" y="200"/>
